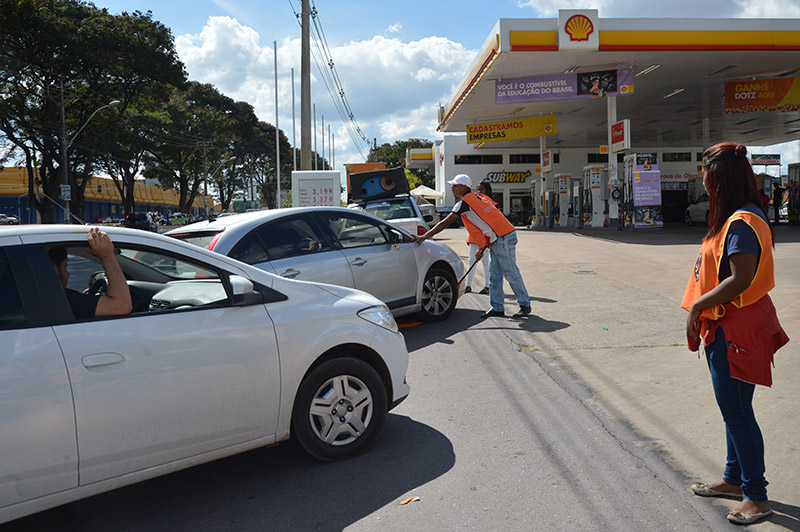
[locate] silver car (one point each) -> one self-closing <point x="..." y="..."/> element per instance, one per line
<point x="216" y="358"/>
<point x="401" y="210"/>
<point x="697" y="211"/>
<point x="342" y="247"/>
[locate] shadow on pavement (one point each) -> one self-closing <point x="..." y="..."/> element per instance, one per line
<point x="785" y="515"/>
<point x="276" y="488"/>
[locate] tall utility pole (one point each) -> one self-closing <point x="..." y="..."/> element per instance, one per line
<point x="65" y="189"/>
<point x="277" y="133"/>
<point x="305" y="90"/>
<point x="315" y="136"/>
<point x="322" y="136"/>
<point x="294" y="134"/>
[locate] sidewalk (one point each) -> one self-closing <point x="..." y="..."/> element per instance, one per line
<point x="606" y="308"/>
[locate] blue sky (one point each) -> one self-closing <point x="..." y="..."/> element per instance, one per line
<point x="396" y="60"/>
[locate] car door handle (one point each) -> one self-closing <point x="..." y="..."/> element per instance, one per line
<point x="358" y="261"/>
<point x="102" y="359"/>
<point x="291" y="273"/>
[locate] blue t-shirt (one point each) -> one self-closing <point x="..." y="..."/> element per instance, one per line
<point x="741" y="239"/>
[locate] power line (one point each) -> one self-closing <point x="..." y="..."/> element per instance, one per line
<point x="332" y="81"/>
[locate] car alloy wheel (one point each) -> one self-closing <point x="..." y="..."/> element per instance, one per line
<point x="339" y="409"/>
<point x="687" y="218"/>
<point x="438" y="295"/>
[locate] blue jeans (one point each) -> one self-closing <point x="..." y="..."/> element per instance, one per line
<point x="745" y="460"/>
<point x="504" y="264"/>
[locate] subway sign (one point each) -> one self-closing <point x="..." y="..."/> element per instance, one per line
<point x="507" y="177"/>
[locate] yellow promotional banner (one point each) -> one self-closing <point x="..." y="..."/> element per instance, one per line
<point x="520" y="128"/>
<point x="763" y="95"/>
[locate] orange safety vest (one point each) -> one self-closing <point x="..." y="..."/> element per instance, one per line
<point x="705" y="274"/>
<point x="475" y="235"/>
<point x="484" y="208"/>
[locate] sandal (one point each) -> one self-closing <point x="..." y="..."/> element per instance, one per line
<point x="745" y="519"/>
<point x="704" y="491"/>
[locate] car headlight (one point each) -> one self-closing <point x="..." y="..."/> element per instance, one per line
<point x="379" y="315"/>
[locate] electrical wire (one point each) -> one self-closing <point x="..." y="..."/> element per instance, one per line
<point x="330" y="78"/>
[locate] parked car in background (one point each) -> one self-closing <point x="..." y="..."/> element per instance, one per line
<point x="427" y="209"/>
<point x="8" y="219"/>
<point x="342" y="247"/>
<point x="697" y="211"/>
<point x="402" y="210"/>
<point x="444" y="210"/>
<point x="141" y="220"/>
<point x="216" y="358"/>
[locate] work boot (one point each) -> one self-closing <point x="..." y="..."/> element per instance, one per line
<point x="494" y="313"/>
<point x="522" y="312"/>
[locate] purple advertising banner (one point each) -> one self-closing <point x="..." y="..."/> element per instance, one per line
<point x="647" y="199"/>
<point x="564" y="86"/>
<point x="646" y="188"/>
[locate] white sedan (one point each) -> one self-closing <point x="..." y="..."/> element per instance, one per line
<point x="340" y="246"/>
<point x="217" y="357"/>
<point x="697" y="211"/>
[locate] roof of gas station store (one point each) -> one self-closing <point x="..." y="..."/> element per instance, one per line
<point x="696" y="55"/>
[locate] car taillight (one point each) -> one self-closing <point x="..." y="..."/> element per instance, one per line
<point x="421" y="230"/>
<point x="214" y="242"/>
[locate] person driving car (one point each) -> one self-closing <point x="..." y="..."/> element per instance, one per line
<point x="116" y="300"/>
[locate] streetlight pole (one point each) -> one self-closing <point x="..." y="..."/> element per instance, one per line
<point x="65" y="146"/>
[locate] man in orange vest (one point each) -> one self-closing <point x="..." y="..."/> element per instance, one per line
<point x="487" y="224"/>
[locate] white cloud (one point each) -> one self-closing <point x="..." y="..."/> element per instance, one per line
<point x="770" y="9"/>
<point x="392" y="86"/>
<point x="394" y="28"/>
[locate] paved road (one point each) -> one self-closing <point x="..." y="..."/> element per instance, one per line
<point x="588" y="415"/>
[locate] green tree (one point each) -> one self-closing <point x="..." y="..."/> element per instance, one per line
<point x="69" y="51"/>
<point x="193" y="139"/>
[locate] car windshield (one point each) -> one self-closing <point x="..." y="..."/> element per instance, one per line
<point x="391" y="210"/>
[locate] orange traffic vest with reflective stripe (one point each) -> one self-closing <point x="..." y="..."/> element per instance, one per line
<point x="705" y="274"/>
<point x="484" y="208"/>
<point x="475" y="235"/>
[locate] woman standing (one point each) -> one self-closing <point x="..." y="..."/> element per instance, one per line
<point x="730" y="310"/>
<point x="476" y="240"/>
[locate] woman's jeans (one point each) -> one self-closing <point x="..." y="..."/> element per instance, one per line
<point x="504" y="264"/>
<point x="745" y="465"/>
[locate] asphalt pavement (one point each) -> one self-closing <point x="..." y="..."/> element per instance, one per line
<point x="606" y="310"/>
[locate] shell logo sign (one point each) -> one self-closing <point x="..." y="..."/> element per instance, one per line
<point x="579" y="27"/>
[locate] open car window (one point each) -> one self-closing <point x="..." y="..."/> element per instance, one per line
<point x="168" y="265"/>
<point x="158" y="281"/>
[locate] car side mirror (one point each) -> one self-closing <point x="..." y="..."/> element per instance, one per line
<point x="395" y="237"/>
<point x="244" y="293"/>
<point x="428" y="218"/>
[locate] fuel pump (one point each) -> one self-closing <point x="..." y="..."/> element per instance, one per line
<point x="561" y="181"/>
<point x="595" y="181"/>
<point x="575" y="202"/>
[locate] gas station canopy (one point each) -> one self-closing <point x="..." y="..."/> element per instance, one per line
<point x="678" y="70"/>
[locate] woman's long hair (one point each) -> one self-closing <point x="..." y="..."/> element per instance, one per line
<point x="487" y="187"/>
<point x="731" y="184"/>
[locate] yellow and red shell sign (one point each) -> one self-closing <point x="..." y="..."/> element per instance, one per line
<point x="763" y="95"/>
<point x="579" y="27"/>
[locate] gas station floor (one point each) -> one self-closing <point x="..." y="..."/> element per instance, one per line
<point x="606" y="308"/>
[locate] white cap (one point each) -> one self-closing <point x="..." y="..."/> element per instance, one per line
<point x="461" y="179"/>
